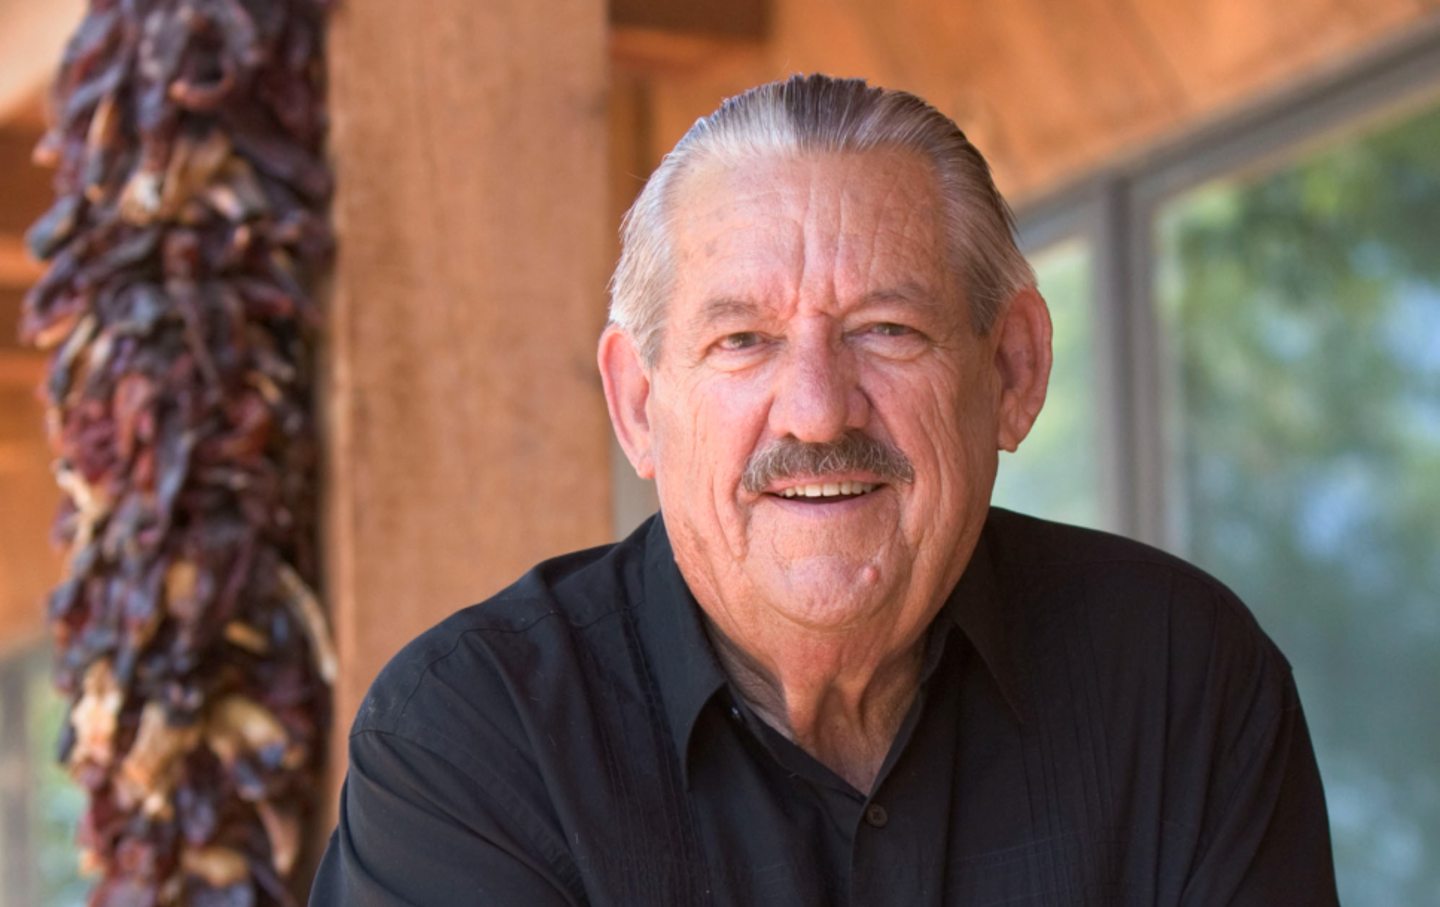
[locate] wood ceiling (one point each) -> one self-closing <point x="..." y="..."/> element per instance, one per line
<point x="1048" y="90"/>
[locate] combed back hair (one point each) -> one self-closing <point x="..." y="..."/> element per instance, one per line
<point x="820" y="114"/>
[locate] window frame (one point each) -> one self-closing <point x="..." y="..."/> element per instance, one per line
<point x="1114" y="209"/>
<point x="17" y="802"/>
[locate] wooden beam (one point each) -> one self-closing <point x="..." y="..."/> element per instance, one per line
<point x="32" y="39"/>
<point x="719" y="19"/>
<point x="17" y="269"/>
<point x="31" y="114"/>
<point x="655" y="52"/>
<point x="29" y="566"/>
<point x="467" y="435"/>
<point x="21" y="369"/>
<point x="25" y="189"/>
<point x="663" y="38"/>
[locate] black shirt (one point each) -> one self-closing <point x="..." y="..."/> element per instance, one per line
<point x="1098" y="723"/>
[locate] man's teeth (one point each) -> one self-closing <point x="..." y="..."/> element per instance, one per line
<point x="828" y="489"/>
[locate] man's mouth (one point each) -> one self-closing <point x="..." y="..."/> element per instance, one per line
<point x="827" y="491"/>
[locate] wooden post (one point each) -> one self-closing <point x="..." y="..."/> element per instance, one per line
<point x="466" y="432"/>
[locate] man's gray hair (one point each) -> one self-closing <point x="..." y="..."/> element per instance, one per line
<point x="818" y="114"/>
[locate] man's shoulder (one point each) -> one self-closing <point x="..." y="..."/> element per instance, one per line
<point x="1024" y="545"/>
<point x="1027" y="541"/>
<point x="474" y="665"/>
<point x="1120" y="588"/>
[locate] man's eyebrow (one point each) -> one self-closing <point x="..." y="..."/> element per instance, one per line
<point x="726" y="307"/>
<point x="909" y="293"/>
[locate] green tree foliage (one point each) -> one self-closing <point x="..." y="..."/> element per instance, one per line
<point x="1303" y="309"/>
<point x="1056" y="472"/>
<point x="57" y="803"/>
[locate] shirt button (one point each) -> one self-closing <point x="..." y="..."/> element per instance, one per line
<point x="735" y="712"/>
<point x="876" y="816"/>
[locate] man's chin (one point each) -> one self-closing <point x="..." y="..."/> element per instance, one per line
<point x="829" y="591"/>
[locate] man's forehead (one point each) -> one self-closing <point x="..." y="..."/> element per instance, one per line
<point x="750" y="205"/>
<point x="774" y="179"/>
<point x="907" y="293"/>
<point x="872" y="220"/>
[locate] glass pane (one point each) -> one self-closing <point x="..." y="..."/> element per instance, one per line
<point x="40" y="807"/>
<point x="1056" y="473"/>
<point x="1303" y="312"/>
<point x="57" y="801"/>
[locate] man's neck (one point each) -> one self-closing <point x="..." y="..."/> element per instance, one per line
<point x="842" y="709"/>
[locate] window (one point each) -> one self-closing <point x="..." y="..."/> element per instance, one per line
<point x="1269" y="295"/>
<point x="39" y="806"/>
<point x="1056" y="472"/>
<point x="1302" y="310"/>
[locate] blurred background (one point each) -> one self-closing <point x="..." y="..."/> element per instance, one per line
<point x="1233" y="209"/>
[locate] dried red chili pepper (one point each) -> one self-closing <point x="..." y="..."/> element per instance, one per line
<point x="189" y="219"/>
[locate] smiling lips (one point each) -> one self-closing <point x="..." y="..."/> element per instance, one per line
<point x="828" y="490"/>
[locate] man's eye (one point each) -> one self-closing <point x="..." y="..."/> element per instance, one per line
<point x="741" y="340"/>
<point x="891" y="339"/>
<point x="890" y="329"/>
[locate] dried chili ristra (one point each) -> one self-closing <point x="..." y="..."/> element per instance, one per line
<point x="189" y="220"/>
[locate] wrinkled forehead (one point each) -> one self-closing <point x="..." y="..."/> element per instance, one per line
<point x="780" y="222"/>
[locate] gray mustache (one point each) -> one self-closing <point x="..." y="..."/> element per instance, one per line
<point x="855" y="452"/>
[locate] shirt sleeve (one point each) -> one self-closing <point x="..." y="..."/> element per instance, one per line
<point x="1267" y="838"/>
<point x="416" y="829"/>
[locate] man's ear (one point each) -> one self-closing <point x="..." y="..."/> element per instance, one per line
<point x="1022" y="359"/>
<point x="627" y="391"/>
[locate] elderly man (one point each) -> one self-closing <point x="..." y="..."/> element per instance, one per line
<point x="828" y="672"/>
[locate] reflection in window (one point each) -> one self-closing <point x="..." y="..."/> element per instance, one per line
<point x="1056" y="472"/>
<point x="1303" y="309"/>
<point x="39" y="806"/>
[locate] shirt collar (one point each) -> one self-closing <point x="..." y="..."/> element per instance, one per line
<point x="978" y="607"/>
<point x="689" y="674"/>
<point x="676" y="645"/>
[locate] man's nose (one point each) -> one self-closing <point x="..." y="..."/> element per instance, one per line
<point x="818" y="397"/>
